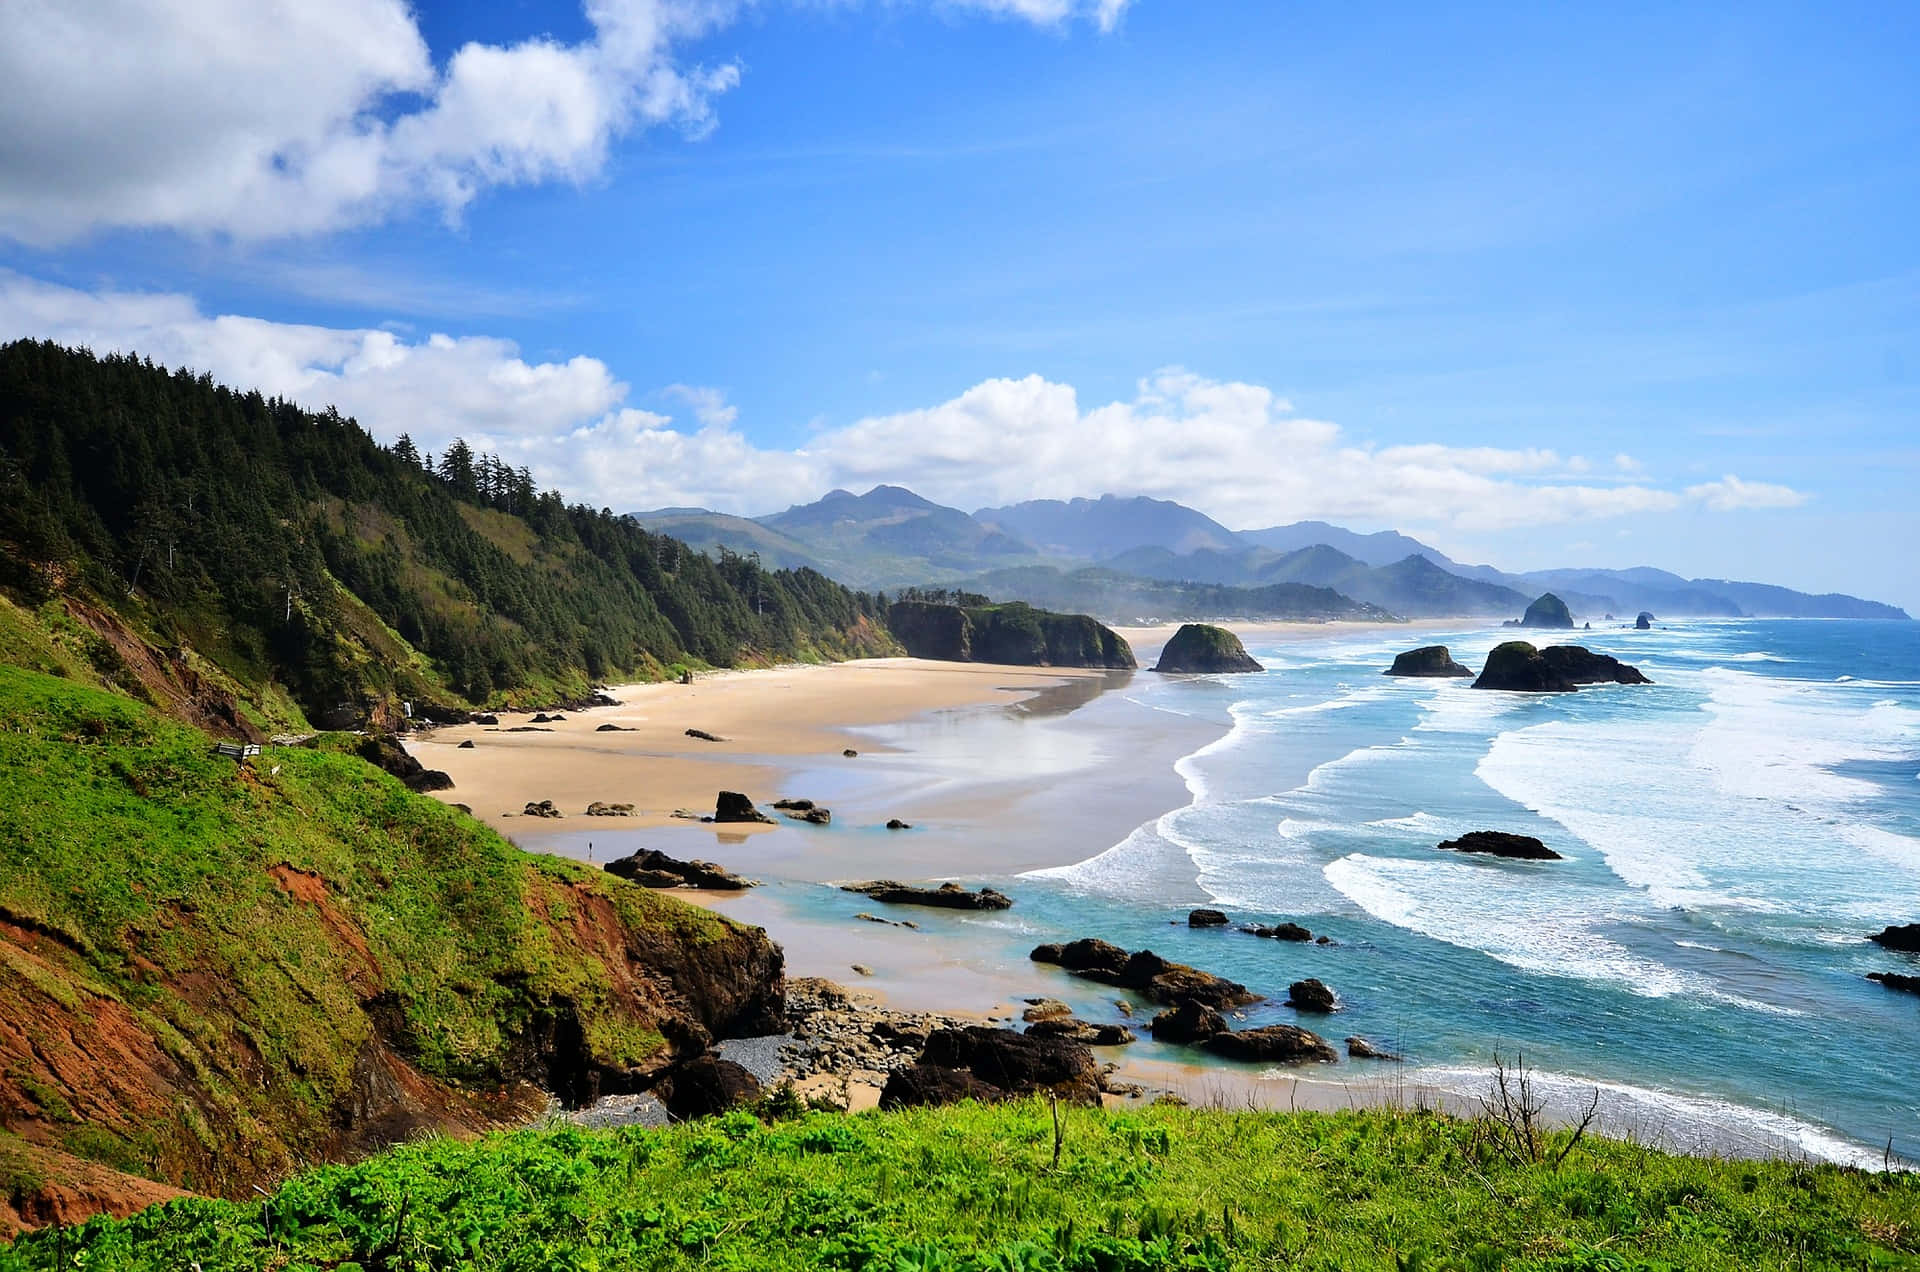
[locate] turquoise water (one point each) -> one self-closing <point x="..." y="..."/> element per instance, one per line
<point x="1731" y="833"/>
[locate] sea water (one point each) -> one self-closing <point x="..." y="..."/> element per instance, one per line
<point x="1731" y="834"/>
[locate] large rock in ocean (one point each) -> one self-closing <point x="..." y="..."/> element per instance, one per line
<point x="1498" y="843"/>
<point x="1273" y="1044"/>
<point x="948" y="896"/>
<point x="1428" y="660"/>
<point x="1518" y="667"/>
<point x="732" y="806"/>
<point x="1644" y="623"/>
<point x="1202" y="647"/>
<point x="1904" y="937"/>
<point x="1548" y="611"/>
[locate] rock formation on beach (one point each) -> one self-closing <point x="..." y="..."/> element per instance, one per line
<point x="1904" y="937"/>
<point x="1428" y="660"/>
<point x="732" y="806"/>
<point x="1187" y="1022"/>
<point x="1014" y="634"/>
<point x="1498" y="843"/>
<point x="1144" y="972"/>
<point x="1518" y="667"/>
<point x="655" y="869"/>
<point x="1547" y="611"/>
<point x="982" y="1063"/>
<point x="1204" y="648"/>
<point x="948" y="896"/>
<point x="1081" y="1031"/>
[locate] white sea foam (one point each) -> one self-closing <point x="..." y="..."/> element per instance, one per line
<point x="1756" y="656"/>
<point x="1694" y="1123"/>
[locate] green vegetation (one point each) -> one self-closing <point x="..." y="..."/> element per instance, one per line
<point x="963" y="627"/>
<point x="972" y="1189"/>
<point x="202" y="955"/>
<point x="292" y="551"/>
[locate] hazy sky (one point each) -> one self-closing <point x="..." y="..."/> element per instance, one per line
<point x="1544" y="285"/>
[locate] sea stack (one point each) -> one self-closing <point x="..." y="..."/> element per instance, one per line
<point x="1428" y="660"/>
<point x="1202" y="647"/>
<point x="1517" y="667"/>
<point x="1548" y="611"/>
<point x="1644" y="623"/>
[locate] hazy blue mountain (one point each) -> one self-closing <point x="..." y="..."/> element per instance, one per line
<point x="1125" y="598"/>
<point x="711" y="531"/>
<point x="1763" y="598"/>
<point x="1414" y="586"/>
<point x="1103" y="527"/>
<point x="1383" y="547"/>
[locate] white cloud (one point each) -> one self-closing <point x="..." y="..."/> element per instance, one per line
<point x="270" y="118"/>
<point x="1730" y="494"/>
<point x="1235" y="450"/>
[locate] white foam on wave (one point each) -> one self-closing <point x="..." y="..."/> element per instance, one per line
<point x="1420" y="823"/>
<point x="1672" y="1120"/>
<point x="1753" y="656"/>
<point x="1484" y="907"/>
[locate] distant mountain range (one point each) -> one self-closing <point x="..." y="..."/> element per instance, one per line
<point x="1126" y="559"/>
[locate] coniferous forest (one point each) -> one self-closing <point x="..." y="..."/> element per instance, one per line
<point x="293" y="551"/>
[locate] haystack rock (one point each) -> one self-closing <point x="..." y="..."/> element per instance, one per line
<point x="1644" y="623"/>
<point x="1204" y="648"/>
<point x="1548" y="611"/>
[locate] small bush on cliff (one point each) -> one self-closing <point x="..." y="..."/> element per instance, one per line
<point x="972" y="1189"/>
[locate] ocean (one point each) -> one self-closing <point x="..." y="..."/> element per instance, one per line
<point x="1732" y="834"/>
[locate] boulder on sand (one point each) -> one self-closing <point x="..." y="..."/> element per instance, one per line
<point x="1311" y="994"/>
<point x="1144" y="972"/>
<point x="996" y="1063"/>
<point x="894" y="823"/>
<point x="1498" y="843"/>
<point x="706" y="1085"/>
<point x="1187" y="1022"/>
<point x="651" y="864"/>
<point x="1202" y="647"/>
<point x="599" y="809"/>
<point x="732" y="806"/>
<point x="701" y="735"/>
<point x="948" y="896"/>
<point x="1081" y="1031"/>
<point x="1905" y="937"/>
<point x="1273" y="1044"/>
<point x="542" y="808"/>
<point x="1428" y="660"/>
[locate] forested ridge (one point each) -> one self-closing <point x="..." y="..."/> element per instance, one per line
<point x="293" y="551"/>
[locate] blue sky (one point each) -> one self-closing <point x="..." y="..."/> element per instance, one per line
<point x="1545" y="286"/>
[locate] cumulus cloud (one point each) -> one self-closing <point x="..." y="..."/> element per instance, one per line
<point x="1237" y="451"/>
<point x="269" y="118"/>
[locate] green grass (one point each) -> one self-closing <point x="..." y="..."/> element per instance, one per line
<point x="976" y="1187"/>
<point x="158" y="868"/>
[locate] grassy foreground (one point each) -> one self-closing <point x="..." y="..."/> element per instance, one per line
<point x="976" y="1187"/>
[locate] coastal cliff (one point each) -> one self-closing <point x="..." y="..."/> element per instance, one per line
<point x="214" y="972"/>
<point x="1014" y="634"/>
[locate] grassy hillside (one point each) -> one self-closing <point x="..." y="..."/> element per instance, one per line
<point x="971" y="1188"/>
<point x="211" y="973"/>
<point x="287" y="548"/>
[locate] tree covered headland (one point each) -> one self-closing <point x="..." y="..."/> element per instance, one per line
<point x="293" y="551"/>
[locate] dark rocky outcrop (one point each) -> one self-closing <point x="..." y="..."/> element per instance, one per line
<point x="465" y="746"/>
<point x="1045" y="1009"/>
<point x="601" y="809"/>
<point x="1547" y="611"/>
<point x="894" y="823"/>
<point x="1144" y="972"/>
<point x="650" y="864"/>
<point x="701" y="735"/>
<point x="542" y="808"/>
<point x="1081" y="1031"/>
<point x="1498" y="843"/>
<point x="1896" y="980"/>
<point x="613" y="728"/>
<point x="1206" y="918"/>
<point x="1204" y="648"/>
<point x="1279" y="932"/>
<point x="1517" y="667"/>
<point x="948" y="896"/>
<point x="1360" y="1049"/>
<point x="793" y="805"/>
<point x="1014" y="633"/>
<point x="814" y="816"/>
<point x="1273" y="1044"/>
<point x="732" y="806"/>
<point x="1644" y="623"/>
<point x="383" y="751"/>
<point x="1905" y="937"/>
<point x="1311" y="994"/>
<point x="485" y="719"/>
<point x="850" y="753"/>
<point x="1428" y="660"/>
<point x="996" y="1064"/>
<point x="705" y="1086"/>
<point x="1187" y="1022"/>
